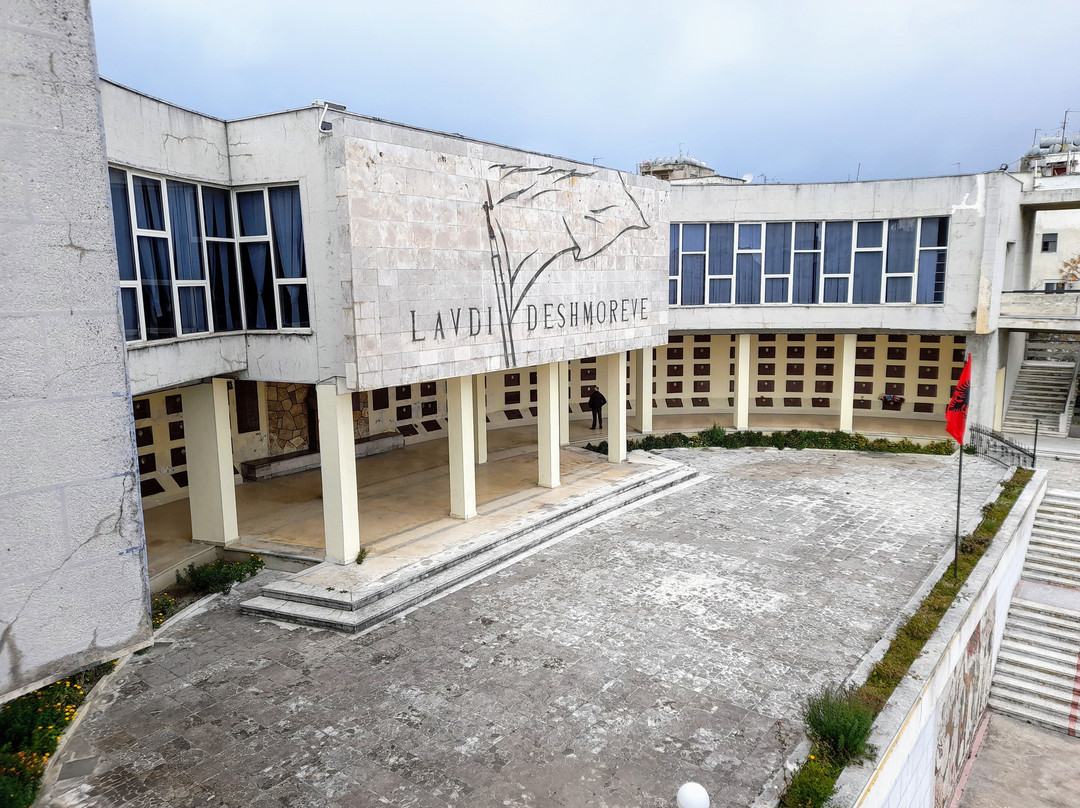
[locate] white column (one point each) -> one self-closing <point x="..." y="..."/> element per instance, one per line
<point x="564" y="403"/>
<point x="337" y="452"/>
<point x="459" y="404"/>
<point x="614" y="389"/>
<point x="480" y="410"/>
<point x="208" y="442"/>
<point x="743" y="374"/>
<point x="643" y="367"/>
<point x="847" y="382"/>
<point x="547" y="423"/>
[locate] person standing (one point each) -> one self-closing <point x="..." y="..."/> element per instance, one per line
<point x="596" y="404"/>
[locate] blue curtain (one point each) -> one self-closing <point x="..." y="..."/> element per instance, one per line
<point x="673" y="256"/>
<point x="258" y="285"/>
<point x="935" y="232"/>
<point x="867" y="278"/>
<point x="748" y="278"/>
<point x="693" y="238"/>
<point x="898" y="290"/>
<point x="294" y="309"/>
<point x="217" y="212"/>
<point x="249" y="205"/>
<point x="807" y="235"/>
<point x="834" y="290"/>
<point x="129" y="304"/>
<point x="288" y="232"/>
<point x="721" y="249"/>
<point x="901" y="254"/>
<point x="125" y="252"/>
<point x="693" y="279"/>
<point x="148" y="211"/>
<point x="156" y="287"/>
<point x="777" y="248"/>
<point x="184" y="222"/>
<point x="931" y="286"/>
<point x="805" y="278"/>
<point x="837" y="248"/>
<point x="192" y="309"/>
<point x="776" y="290"/>
<point x="719" y="290"/>
<point x="224" y="286"/>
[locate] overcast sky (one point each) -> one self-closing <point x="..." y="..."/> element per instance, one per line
<point x="797" y="91"/>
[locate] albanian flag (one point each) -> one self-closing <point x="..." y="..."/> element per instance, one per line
<point x="956" y="412"/>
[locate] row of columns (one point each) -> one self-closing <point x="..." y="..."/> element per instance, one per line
<point x="208" y="434"/>
<point x="745" y="374"/>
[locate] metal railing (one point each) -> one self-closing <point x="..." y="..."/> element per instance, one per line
<point x="997" y="447"/>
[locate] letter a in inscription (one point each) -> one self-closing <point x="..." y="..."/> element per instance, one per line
<point x="440" y="332"/>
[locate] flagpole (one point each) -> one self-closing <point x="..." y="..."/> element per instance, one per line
<point x="956" y="544"/>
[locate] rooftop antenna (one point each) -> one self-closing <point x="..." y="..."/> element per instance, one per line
<point x="596" y="159"/>
<point x="858" y="171"/>
<point x="1035" y="137"/>
<point x="957" y="164"/>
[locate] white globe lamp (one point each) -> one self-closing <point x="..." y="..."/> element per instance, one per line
<point x="692" y="795"/>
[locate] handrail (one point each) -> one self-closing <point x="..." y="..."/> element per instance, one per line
<point x="1065" y="420"/>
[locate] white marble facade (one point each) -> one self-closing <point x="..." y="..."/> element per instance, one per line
<point x="470" y="258"/>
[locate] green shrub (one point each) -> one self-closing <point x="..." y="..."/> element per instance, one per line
<point x="162" y="608"/>
<point x="813" y="784"/>
<point x="716" y="436"/>
<point x="217" y="576"/>
<point x="838" y="719"/>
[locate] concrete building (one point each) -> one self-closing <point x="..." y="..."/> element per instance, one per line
<point x="296" y="290"/>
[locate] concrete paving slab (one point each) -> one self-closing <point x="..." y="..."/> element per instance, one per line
<point x="1019" y="764"/>
<point x="663" y="645"/>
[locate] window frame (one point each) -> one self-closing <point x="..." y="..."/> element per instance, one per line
<point x="793" y="251"/>
<point x="134" y="232"/>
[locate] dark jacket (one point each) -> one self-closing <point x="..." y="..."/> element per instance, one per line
<point x="597" y="400"/>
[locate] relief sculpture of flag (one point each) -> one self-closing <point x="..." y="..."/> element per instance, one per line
<point x="956" y="412"/>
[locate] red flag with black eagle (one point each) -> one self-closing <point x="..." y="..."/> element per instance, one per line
<point x="956" y="412"/>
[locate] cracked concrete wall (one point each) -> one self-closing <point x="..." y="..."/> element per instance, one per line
<point x="73" y="585"/>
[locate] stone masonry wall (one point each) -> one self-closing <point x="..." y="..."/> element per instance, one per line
<point x="287" y="417"/>
<point x="73" y="586"/>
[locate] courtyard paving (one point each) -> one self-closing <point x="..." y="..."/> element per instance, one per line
<point x="662" y="645"/>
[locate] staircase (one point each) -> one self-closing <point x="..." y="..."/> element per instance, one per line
<point x="304" y="599"/>
<point x="1042" y="392"/>
<point x="1037" y="678"/>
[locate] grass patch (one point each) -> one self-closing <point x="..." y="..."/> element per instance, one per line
<point x="716" y="436"/>
<point x="828" y="718"/>
<point x="30" y="728"/>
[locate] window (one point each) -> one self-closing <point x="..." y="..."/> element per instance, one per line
<point x="859" y="262"/>
<point x="1049" y="242"/>
<point x="198" y="258"/>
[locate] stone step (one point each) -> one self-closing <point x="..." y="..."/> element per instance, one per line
<point x="1044" y="544"/>
<point x="1062" y="560"/>
<point x="1034" y="712"/>
<point x="1038" y="653"/>
<point x="1053" y="613"/>
<point x="1068" y="510"/>
<point x="292" y="601"/>
<point x="1033" y="715"/>
<point x="1065" y="534"/>
<point x="1041" y="641"/>
<point x="1067" y="636"/>
<point x="1024" y="661"/>
<point x="1050" y="696"/>
<point x="1044" y="678"/>
<point x="1040" y="577"/>
<point x="1066" y="526"/>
